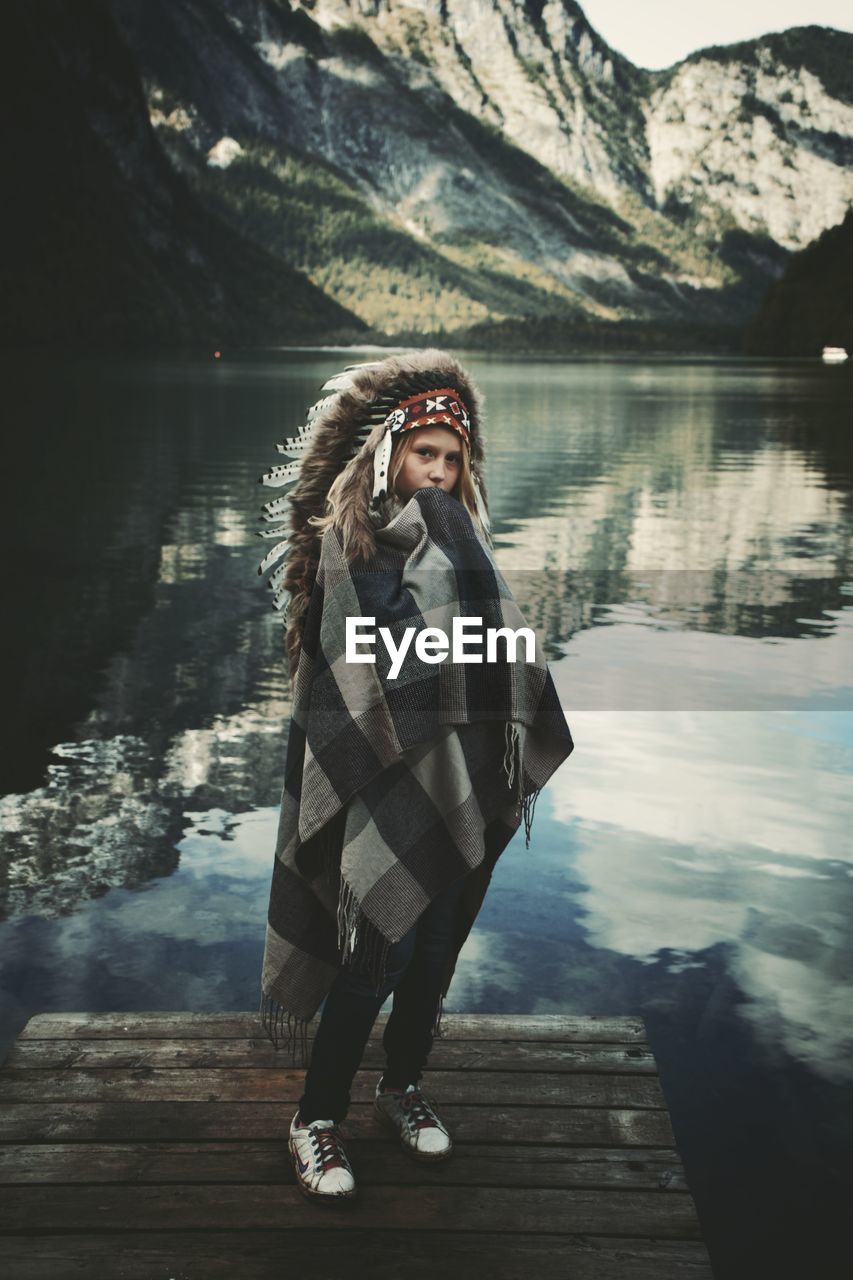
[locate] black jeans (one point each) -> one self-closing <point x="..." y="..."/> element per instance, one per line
<point x="414" y="972"/>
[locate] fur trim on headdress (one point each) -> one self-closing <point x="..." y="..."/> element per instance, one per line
<point x="343" y="433"/>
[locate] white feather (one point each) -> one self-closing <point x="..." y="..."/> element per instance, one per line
<point x="344" y="380"/>
<point x="273" y="554"/>
<point x="381" y="463"/>
<point x="275" y="509"/>
<point x="481" y="506"/>
<point x="295" y="448"/>
<point x="301" y="440"/>
<point x="286" y="473"/>
<point x="319" y="407"/>
<point x="340" y="382"/>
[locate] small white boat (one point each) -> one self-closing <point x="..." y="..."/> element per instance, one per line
<point x="833" y="355"/>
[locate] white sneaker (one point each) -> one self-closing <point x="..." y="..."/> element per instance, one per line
<point x="421" y="1131"/>
<point x="320" y="1161"/>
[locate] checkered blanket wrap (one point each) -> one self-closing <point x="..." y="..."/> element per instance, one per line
<point x="396" y="788"/>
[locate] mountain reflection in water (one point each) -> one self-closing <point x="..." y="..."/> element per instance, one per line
<point x="678" y="533"/>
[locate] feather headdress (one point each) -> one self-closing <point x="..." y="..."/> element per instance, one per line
<point x="349" y="430"/>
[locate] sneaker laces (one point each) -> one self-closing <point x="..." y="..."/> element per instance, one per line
<point x="421" y="1114"/>
<point x="328" y="1144"/>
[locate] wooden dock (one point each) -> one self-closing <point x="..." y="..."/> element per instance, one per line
<point x="154" y="1145"/>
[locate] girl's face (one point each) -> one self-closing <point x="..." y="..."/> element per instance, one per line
<point x="434" y="459"/>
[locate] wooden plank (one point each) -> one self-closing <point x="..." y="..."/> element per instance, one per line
<point x="484" y="1088"/>
<point x="472" y="1164"/>
<point x="437" y="1208"/>
<point x="173" y="1128"/>
<point x="458" y="1026"/>
<point x="236" y="1054"/>
<point x="197" y="1121"/>
<point x="383" y="1255"/>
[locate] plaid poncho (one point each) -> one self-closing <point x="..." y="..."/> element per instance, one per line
<point x="395" y="787"/>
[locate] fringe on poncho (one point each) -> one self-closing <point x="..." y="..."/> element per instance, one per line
<point x="394" y="788"/>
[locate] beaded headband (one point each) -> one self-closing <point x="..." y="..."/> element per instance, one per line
<point x="443" y="407"/>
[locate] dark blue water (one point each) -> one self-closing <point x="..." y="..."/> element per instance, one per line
<point x="679" y="532"/>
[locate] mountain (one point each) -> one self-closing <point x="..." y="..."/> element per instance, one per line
<point x="363" y="172"/>
<point x="477" y="170"/>
<point x="101" y="239"/>
<point x="443" y="164"/>
<point x="811" y="306"/>
<point x="759" y="134"/>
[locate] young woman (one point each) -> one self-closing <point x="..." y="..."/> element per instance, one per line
<point x="411" y="761"/>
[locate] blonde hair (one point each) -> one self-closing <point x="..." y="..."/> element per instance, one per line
<point x="353" y="546"/>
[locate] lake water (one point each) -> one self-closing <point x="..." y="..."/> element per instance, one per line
<point x="679" y="533"/>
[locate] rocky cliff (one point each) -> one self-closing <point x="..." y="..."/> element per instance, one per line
<point x="466" y="167"/>
<point x="441" y="164"/>
<point x="759" y="134"/>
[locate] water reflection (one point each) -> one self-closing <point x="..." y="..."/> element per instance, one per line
<point x="679" y="535"/>
<point x="725" y="829"/>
